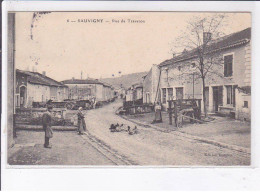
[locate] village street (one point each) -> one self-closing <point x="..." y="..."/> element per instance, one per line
<point x="153" y="147"/>
<point x="99" y="146"/>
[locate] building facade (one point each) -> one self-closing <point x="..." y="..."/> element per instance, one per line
<point x="227" y="91"/>
<point x="35" y="87"/>
<point x="151" y="90"/>
<point x="135" y="93"/>
<point x="80" y="89"/>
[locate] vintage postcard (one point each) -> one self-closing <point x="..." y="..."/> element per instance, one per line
<point x="129" y="89"/>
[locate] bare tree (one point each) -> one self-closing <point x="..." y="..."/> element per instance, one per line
<point x="197" y="42"/>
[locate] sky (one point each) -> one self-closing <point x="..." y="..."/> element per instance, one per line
<point x="63" y="46"/>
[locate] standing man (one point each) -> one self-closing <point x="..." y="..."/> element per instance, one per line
<point x="46" y="123"/>
<point x="81" y="122"/>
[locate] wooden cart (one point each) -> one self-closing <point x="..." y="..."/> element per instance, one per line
<point x="184" y="109"/>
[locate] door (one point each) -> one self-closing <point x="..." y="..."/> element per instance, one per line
<point x="179" y="93"/>
<point x="22" y="96"/>
<point x="217" y="97"/>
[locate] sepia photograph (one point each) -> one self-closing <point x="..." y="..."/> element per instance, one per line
<point x="94" y="89"/>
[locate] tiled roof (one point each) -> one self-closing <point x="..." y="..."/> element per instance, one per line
<point x="37" y="78"/>
<point x="225" y="42"/>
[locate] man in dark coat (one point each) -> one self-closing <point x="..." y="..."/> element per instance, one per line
<point x="46" y="123"/>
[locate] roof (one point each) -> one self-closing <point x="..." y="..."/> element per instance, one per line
<point x="136" y="85"/>
<point x="37" y="78"/>
<point x="229" y="41"/>
<point x="85" y="81"/>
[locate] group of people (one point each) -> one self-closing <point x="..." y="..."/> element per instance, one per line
<point x="47" y="125"/>
<point x="47" y="122"/>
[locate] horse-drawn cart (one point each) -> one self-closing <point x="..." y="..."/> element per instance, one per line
<point x="184" y="109"/>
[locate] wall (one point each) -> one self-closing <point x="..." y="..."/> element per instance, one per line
<point x="243" y="113"/>
<point x="99" y="93"/>
<point x="108" y="93"/>
<point x="172" y="76"/>
<point x="150" y="85"/>
<point x="37" y="93"/>
<point x="53" y="93"/>
<point x="58" y="93"/>
<point x="147" y="87"/>
<point x="155" y="80"/>
<point x="81" y="91"/>
<point x="247" y="77"/>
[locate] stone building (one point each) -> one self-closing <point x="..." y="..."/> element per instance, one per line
<point x="151" y="91"/>
<point x="86" y="89"/>
<point x="35" y="87"/>
<point x="135" y="92"/>
<point x="228" y="92"/>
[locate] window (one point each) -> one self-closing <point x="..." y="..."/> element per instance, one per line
<point x="179" y="93"/>
<point x="229" y="94"/>
<point x="245" y="104"/>
<point x="228" y="65"/>
<point x="170" y="93"/>
<point x="163" y="95"/>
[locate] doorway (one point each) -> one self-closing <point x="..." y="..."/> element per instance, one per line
<point x="22" y="96"/>
<point x="217" y="97"/>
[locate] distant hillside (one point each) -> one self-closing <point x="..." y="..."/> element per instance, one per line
<point x="125" y="80"/>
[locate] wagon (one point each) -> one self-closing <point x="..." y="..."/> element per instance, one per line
<point x="184" y="109"/>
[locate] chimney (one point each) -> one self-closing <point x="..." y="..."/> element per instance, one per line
<point x="73" y="78"/>
<point x="206" y="37"/>
<point x="44" y="73"/>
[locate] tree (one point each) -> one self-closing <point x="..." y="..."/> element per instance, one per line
<point x="197" y="41"/>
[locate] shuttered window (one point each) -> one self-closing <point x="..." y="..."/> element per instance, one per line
<point x="228" y="65"/>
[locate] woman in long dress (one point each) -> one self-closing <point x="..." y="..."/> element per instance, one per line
<point x="158" y="113"/>
<point x="81" y="122"/>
